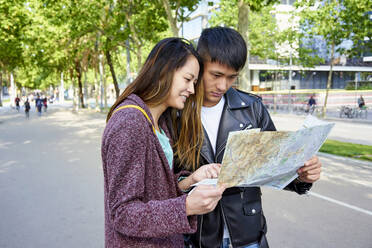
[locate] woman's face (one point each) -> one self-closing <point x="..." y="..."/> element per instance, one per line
<point x="184" y="80"/>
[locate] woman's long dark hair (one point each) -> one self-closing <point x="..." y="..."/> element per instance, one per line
<point x="153" y="85"/>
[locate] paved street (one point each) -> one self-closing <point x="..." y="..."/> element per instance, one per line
<point x="51" y="188"/>
<point x="344" y="130"/>
<point x="338" y="211"/>
<point x="51" y="184"/>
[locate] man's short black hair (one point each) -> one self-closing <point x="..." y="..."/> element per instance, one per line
<point x="223" y="45"/>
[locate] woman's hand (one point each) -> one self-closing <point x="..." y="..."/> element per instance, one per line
<point x="203" y="199"/>
<point x="207" y="171"/>
<point x="204" y="172"/>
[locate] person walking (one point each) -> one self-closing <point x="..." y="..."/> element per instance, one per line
<point x="45" y="103"/>
<point x="144" y="206"/>
<point x="238" y="219"/>
<point x="39" y="104"/>
<point x="27" y="108"/>
<point x="17" y="103"/>
<point x="361" y="102"/>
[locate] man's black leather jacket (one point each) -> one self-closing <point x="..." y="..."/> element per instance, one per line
<point x="239" y="208"/>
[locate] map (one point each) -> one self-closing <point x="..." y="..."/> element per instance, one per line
<point x="254" y="158"/>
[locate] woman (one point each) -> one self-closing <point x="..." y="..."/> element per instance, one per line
<point x="144" y="206"/>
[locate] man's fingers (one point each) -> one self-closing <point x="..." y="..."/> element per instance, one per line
<point x="311" y="161"/>
<point x="309" y="178"/>
<point x="311" y="172"/>
<point x="309" y="167"/>
<point x="314" y="172"/>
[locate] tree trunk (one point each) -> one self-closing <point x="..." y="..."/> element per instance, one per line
<point x="14" y="90"/>
<point x="171" y="19"/>
<point x="61" y="97"/>
<point x="105" y="91"/>
<point x="96" y="87"/>
<point x="329" y="82"/>
<point x="243" y="28"/>
<point x="85" y="87"/>
<point x="139" y="58"/>
<point x="78" y="75"/>
<point x="101" y="81"/>
<point x="75" y="106"/>
<point x="109" y="62"/>
<point x="128" y="63"/>
<point x="1" y="89"/>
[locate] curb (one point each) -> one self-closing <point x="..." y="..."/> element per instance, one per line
<point x="327" y="155"/>
<point x="360" y="121"/>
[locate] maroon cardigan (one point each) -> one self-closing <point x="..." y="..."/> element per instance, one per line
<point x="143" y="205"/>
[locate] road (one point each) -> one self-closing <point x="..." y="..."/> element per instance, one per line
<point x="51" y="183"/>
<point x="51" y="190"/>
<point x="344" y="130"/>
<point x="338" y="211"/>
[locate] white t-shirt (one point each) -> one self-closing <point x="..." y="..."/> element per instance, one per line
<point x="211" y="117"/>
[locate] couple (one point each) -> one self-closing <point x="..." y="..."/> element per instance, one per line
<point x="152" y="152"/>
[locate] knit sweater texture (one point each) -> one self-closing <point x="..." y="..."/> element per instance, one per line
<point x="143" y="205"/>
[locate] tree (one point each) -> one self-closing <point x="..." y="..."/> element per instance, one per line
<point x="175" y="10"/>
<point x="13" y="21"/>
<point x="359" y="24"/>
<point x="335" y="21"/>
<point x="255" y="23"/>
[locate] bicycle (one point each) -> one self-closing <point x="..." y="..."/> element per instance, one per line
<point x="347" y="112"/>
<point x="360" y="112"/>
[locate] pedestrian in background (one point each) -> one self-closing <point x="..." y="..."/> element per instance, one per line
<point x="310" y="105"/>
<point x="361" y="102"/>
<point x="45" y="103"/>
<point x="17" y="101"/>
<point x="27" y="108"/>
<point x="39" y="104"/>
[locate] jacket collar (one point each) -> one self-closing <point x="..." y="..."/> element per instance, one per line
<point x="234" y="100"/>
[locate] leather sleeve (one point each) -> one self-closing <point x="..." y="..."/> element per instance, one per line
<point x="299" y="187"/>
<point x="265" y="122"/>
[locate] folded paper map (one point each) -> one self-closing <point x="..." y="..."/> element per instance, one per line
<point x="254" y="158"/>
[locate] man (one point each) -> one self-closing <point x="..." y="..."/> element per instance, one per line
<point x="238" y="219"/>
<point x="311" y="104"/>
<point x="38" y="104"/>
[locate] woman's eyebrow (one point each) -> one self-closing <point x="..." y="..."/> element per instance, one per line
<point x="192" y="75"/>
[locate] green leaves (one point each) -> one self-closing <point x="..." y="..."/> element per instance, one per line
<point x="337" y="21"/>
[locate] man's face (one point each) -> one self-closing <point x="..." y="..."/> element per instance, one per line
<point x="217" y="79"/>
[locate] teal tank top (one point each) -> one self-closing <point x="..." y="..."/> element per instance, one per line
<point x="165" y="144"/>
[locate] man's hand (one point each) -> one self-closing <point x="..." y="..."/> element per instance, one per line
<point x="310" y="172"/>
<point x="203" y="199"/>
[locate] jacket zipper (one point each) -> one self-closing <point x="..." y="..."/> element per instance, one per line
<point x="227" y="226"/>
<point x="224" y="144"/>
<point x="241" y="195"/>
<point x="200" y="233"/>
